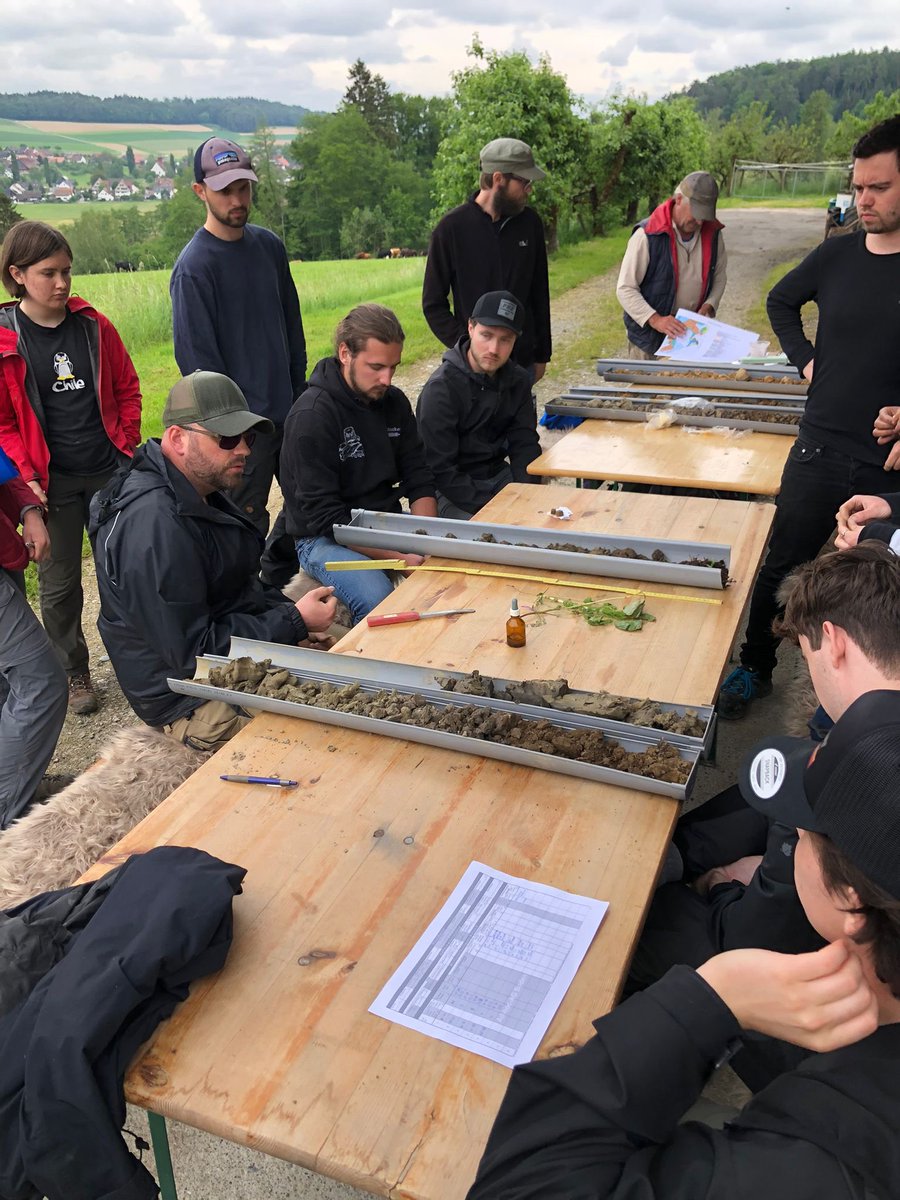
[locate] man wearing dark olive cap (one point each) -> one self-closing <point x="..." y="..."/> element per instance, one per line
<point x="235" y="311"/>
<point x="177" y="561"/>
<point x="494" y="241"/>
<point x="675" y="259"/>
<point x="475" y="413"/>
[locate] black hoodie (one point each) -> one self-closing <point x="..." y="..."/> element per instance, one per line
<point x="472" y="424"/>
<point x="604" y="1123"/>
<point x="342" y="452"/>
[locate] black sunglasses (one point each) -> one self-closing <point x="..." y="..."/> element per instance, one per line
<point x="526" y="183"/>
<point x="227" y="441"/>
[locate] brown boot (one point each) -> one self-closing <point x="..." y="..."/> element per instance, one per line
<point x="82" y="697"/>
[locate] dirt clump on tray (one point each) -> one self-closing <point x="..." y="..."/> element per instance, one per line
<point x="556" y="693"/>
<point x="661" y="761"/>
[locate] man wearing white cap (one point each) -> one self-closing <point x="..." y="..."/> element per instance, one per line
<point x="674" y="259"/>
<point x="493" y="242"/>
<point x="235" y="311"/>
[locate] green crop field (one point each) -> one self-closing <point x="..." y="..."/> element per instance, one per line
<point x="93" y="139"/>
<point x="138" y="305"/>
<point x="57" y="213"/>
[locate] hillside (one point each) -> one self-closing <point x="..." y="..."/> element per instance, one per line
<point x="851" y="80"/>
<point x="239" y="113"/>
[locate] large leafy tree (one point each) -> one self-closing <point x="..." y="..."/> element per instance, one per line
<point x="506" y="95"/>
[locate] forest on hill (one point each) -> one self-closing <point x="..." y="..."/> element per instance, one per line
<point x="850" y="81"/>
<point x="243" y="114"/>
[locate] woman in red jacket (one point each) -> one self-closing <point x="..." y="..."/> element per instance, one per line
<point x="70" y="415"/>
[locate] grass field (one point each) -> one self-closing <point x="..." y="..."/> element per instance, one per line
<point x="68" y="213"/>
<point x="147" y="139"/>
<point x="138" y="305"/>
<point x="775" y="201"/>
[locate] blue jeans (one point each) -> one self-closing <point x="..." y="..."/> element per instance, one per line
<point x="361" y="591"/>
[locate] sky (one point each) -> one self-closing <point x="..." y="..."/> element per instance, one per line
<point x="298" y="51"/>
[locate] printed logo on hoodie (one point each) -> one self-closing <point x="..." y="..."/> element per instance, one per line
<point x="351" y="445"/>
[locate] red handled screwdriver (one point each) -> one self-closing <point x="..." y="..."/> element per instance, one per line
<point x="399" y="618"/>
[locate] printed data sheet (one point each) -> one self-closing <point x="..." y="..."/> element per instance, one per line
<point x="491" y="969"/>
<point x="707" y="340"/>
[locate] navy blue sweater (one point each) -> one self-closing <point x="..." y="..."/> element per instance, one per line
<point x="235" y="310"/>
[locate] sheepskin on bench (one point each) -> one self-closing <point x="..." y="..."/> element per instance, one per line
<point x="54" y="843"/>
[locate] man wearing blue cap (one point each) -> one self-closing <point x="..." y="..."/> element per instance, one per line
<point x="475" y="413"/>
<point x="608" y="1122"/>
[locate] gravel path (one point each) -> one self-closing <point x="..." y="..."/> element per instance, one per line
<point x="757" y="240"/>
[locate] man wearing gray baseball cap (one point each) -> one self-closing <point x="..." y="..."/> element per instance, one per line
<point x="177" y="561"/>
<point x="493" y="242"/>
<point x="674" y="259"/>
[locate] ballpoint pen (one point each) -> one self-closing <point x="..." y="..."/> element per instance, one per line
<point x="268" y="780"/>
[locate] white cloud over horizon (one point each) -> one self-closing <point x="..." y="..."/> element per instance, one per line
<point x="300" y="53"/>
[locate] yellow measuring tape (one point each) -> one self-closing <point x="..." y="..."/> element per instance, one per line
<point x="398" y="564"/>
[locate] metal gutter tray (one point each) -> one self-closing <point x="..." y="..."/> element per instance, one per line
<point x="330" y="668"/>
<point x="561" y="408"/>
<point x="757" y="402"/>
<point x="664" y="374"/>
<point x="427" y="535"/>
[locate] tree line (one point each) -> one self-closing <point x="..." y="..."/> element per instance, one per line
<point x="379" y="171"/>
<point x="849" y="81"/>
<point x="239" y="113"/>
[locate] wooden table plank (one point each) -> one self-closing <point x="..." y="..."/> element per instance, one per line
<point x="278" y="1051"/>
<point x="680" y="658"/>
<point x="286" y="1058"/>
<point x="629" y="451"/>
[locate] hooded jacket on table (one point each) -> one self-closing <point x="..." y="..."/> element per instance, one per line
<point x="472" y="424"/>
<point x="22" y="424"/>
<point x="341" y="452"/>
<point x="178" y="578"/>
<point x="88" y="973"/>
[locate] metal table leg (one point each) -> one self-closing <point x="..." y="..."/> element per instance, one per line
<point x="159" y="1138"/>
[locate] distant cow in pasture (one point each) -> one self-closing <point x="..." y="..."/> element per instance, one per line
<point x="407" y="253"/>
<point x="395" y="251"/>
<point x="362" y="254"/>
<point x="383" y="254"/>
<point x="125" y="266"/>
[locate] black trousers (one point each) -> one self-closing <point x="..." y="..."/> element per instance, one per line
<point x="815" y="483"/>
<point x="279" y="559"/>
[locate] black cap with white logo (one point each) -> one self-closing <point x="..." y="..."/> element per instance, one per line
<point x="498" y="308"/>
<point x="847" y="787"/>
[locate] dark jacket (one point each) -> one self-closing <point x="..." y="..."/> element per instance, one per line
<point x="342" y="452"/>
<point x="21" y="412"/>
<point x="87" y="975"/>
<point x="177" y="578"/>
<point x="603" y="1123"/>
<point x="660" y="282"/>
<point x="472" y="424"/>
<point x="470" y="254"/>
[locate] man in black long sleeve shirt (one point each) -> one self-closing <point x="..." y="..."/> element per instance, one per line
<point x="854" y="372"/>
<point x="350" y="441"/>
<point x="493" y="242"/>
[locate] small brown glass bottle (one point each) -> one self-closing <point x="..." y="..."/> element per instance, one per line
<point x="515" y="626"/>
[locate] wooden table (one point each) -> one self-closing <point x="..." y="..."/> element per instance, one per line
<point x="630" y="452"/>
<point x="278" y="1051"/>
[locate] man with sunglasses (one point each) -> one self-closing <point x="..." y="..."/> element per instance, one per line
<point x="177" y="561"/>
<point x="675" y="259"/>
<point x="493" y="242"/>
